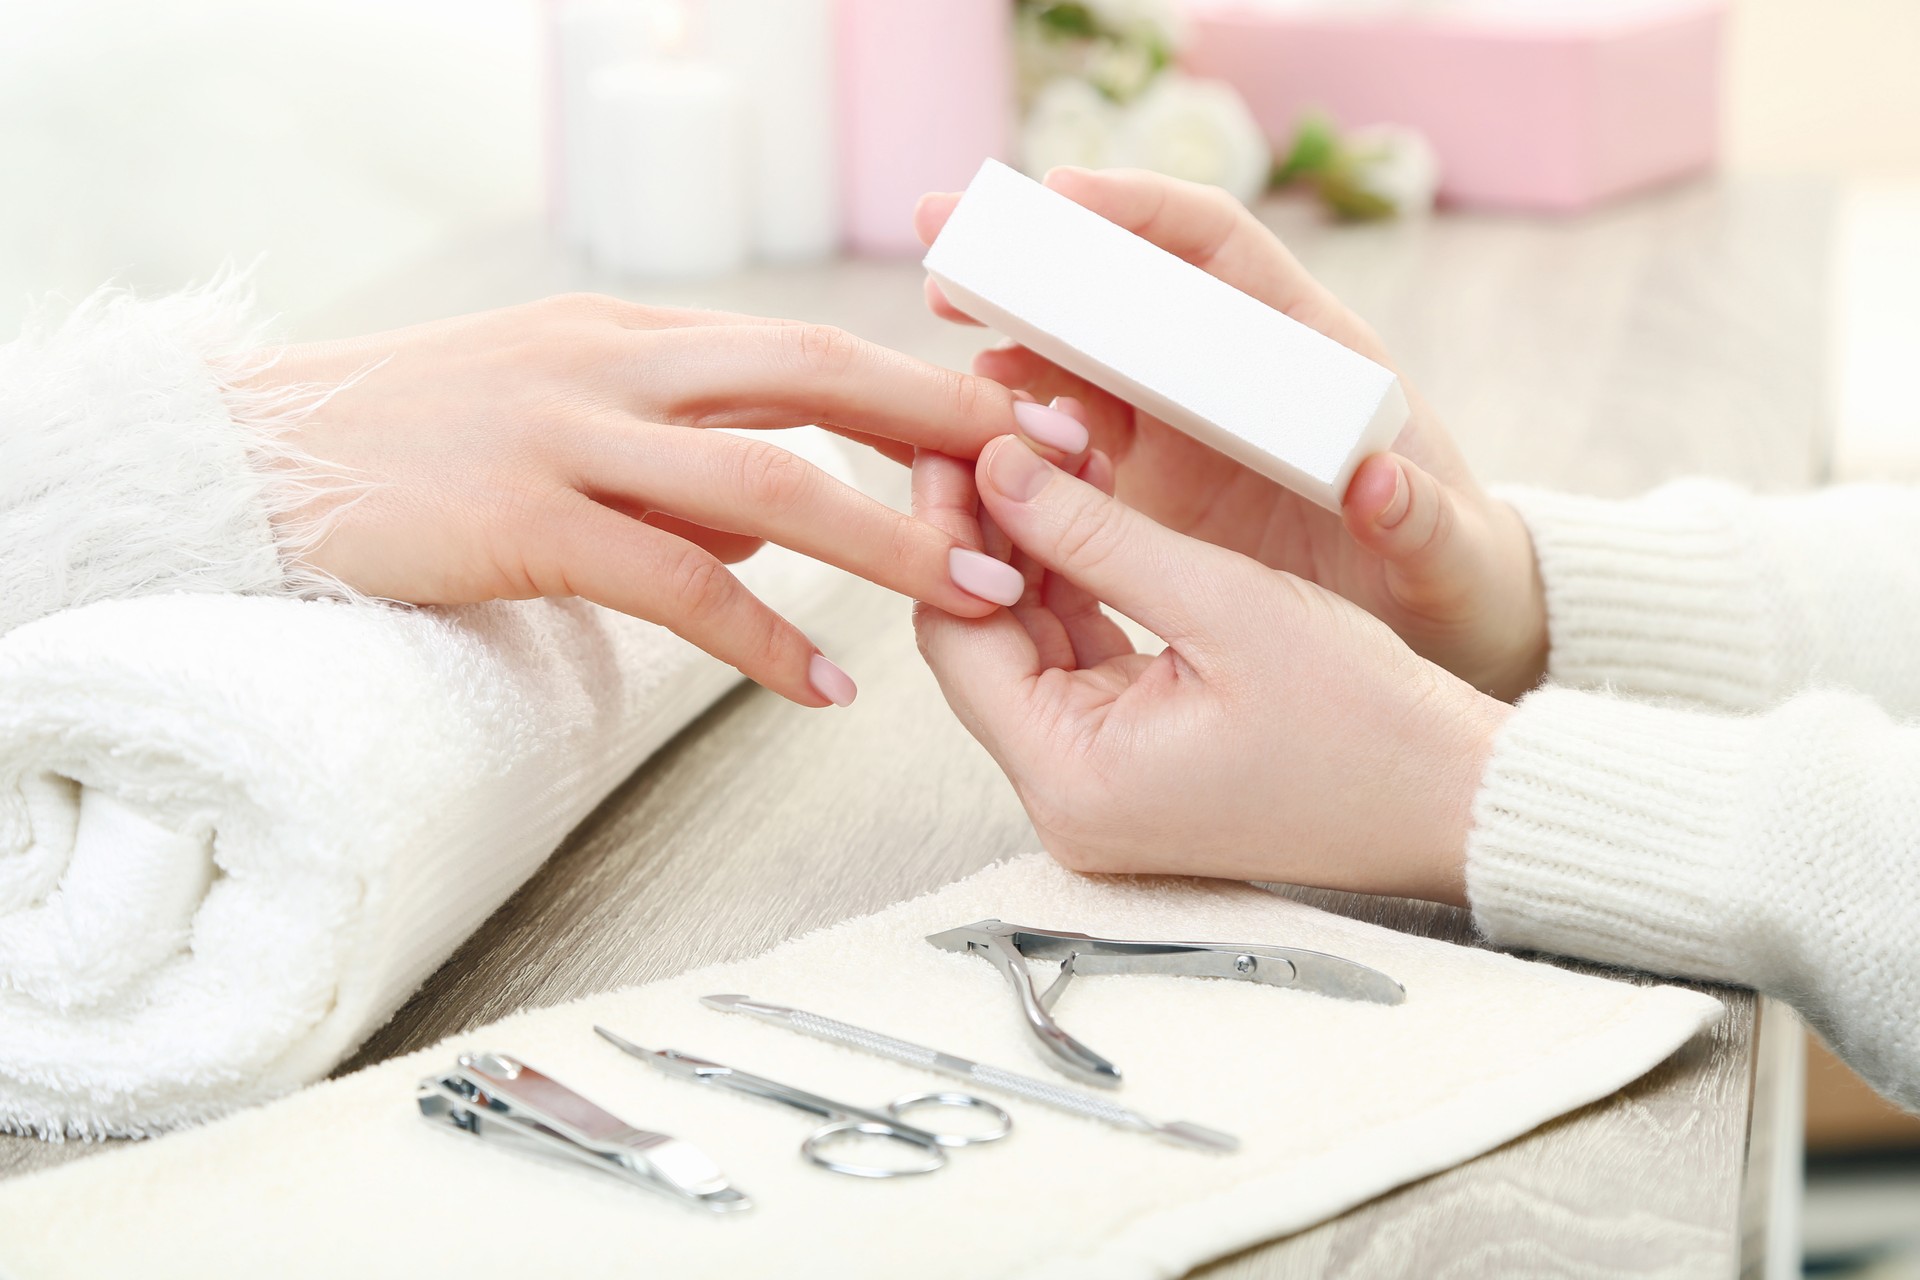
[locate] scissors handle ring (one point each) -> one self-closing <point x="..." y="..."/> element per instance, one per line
<point x="827" y="1133"/>
<point x="899" y="1107"/>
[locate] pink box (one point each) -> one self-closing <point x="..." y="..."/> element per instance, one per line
<point x="1542" y="107"/>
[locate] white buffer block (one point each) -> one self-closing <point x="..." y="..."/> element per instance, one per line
<point x="1164" y="335"/>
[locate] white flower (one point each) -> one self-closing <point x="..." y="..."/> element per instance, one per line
<point x="1199" y="130"/>
<point x="1120" y="70"/>
<point x="1157" y="20"/>
<point x="1394" y="165"/>
<point x="1069" y="123"/>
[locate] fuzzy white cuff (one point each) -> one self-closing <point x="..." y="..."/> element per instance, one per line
<point x="133" y="462"/>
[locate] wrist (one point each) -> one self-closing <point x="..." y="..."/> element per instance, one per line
<point x="1523" y="663"/>
<point x="1457" y="757"/>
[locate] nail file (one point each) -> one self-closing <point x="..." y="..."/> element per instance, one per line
<point x="1159" y="332"/>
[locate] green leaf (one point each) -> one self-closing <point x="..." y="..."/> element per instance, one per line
<point x="1315" y="148"/>
<point x="1350" y="201"/>
<point x="1070" y="19"/>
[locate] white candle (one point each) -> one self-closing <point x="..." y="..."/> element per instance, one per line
<point x="587" y="35"/>
<point x="674" y="200"/>
<point x="782" y="52"/>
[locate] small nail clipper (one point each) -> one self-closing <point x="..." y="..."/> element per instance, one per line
<point x="1010" y="946"/>
<point x="500" y="1099"/>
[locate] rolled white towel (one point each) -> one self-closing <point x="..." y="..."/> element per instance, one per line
<point x="236" y="832"/>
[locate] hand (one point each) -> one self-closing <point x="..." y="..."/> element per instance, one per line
<point x="556" y="449"/>
<point x="1417" y="543"/>
<point x="1283" y="734"/>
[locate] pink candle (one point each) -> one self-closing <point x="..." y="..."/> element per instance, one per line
<point x="926" y="94"/>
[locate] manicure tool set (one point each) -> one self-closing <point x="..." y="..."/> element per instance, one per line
<point x="499" y="1099"/>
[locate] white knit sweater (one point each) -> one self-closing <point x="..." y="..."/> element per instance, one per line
<point x="1721" y="778"/>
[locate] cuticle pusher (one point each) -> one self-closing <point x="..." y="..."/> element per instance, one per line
<point x="1062" y="1097"/>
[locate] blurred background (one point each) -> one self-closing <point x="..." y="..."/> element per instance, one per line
<point x="337" y="145"/>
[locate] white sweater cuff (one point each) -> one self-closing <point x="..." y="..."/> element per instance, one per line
<point x="1602" y="829"/>
<point x="1661" y="595"/>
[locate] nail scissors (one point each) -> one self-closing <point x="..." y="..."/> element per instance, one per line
<point x="843" y="1120"/>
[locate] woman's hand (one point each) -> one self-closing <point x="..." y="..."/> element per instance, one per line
<point x="1283" y="734"/>
<point x="560" y="449"/>
<point x="1423" y="547"/>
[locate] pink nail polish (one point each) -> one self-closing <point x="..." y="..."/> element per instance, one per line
<point x="981" y="575"/>
<point x="830" y="682"/>
<point x="1050" y="427"/>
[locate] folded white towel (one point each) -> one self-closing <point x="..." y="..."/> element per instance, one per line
<point x="1334" y="1101"/>
<point x="236" y="832"/>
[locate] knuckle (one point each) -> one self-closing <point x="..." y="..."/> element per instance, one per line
<point x="1092" y="535"/>
<point x="583" y="303"/>
<point x="700" y="584"/>
<point x="777" y="647"/>
<point x="908" y="544"/>
<point x="1221" y="204"/>
<point x="968" y="395"/>
<point x="771" y="480"/>
<point x="823" y="348"/>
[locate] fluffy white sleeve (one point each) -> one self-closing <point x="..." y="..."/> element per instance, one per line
<point x="131" y="464"/>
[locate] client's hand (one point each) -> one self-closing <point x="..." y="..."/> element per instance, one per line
<point x="1423" y="547"/>
<point x="554" y="449"/>
<point x="1282" y="734"/>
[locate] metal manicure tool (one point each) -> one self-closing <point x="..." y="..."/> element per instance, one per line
<point x="844" y="1120"/>
<point x="1060" y="1096"/>
<point x="499" y="1099"/>
<point x="1010" y="946"/>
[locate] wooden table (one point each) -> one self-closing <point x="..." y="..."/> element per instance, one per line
<point x="1680" y="333"/>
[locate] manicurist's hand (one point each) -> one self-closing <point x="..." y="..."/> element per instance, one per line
<point x="562" y="449"/>
<point x="1417" y="543"/>
<point x="1283" y="733"/>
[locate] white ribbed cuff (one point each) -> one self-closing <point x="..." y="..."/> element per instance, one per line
<point x="1661" y="595"/>
<point x="1606" y="829"/>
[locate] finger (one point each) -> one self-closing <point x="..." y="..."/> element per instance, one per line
<point x="1218" y="234"/>
<point x="624" y="564"/>
<point x="932" y="212"/>
<point x="938" y="304"/>
<point x="985" y="667"/>
<point x="1167" y="582"/>
<point x="1012" y="365"/>
<point x="944" y="497"/>
<point x="1094" y="636"/>
<point x="758" y="489"/>
<point x="769" y="376"/>
<point x="1410" y="520"/>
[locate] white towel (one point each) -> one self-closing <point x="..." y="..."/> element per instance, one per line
<point x="1334" y="1101"/>
<point x="237" y="832"/>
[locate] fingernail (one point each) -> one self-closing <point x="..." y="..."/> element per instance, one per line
<point x="830" y="682"/>
<point x="1018" y="472"/>
<point x="1396" y="509"/>
<point x="1049" y="426"/>
<point x="979" y="574"/>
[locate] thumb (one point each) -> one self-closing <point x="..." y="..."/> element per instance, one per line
<point x="1413" y="522"/>
<point x="1163" y="580"/>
